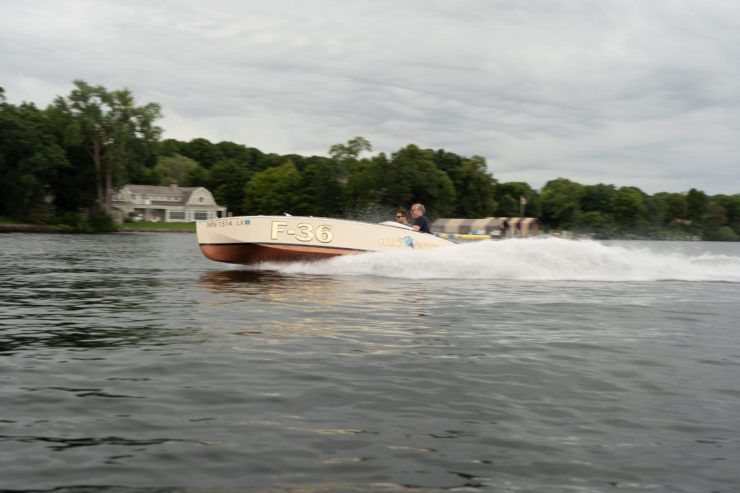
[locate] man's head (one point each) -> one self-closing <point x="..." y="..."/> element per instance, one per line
<point x="417" y="210"/>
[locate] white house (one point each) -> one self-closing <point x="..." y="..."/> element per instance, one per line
<point x="166" y="204"/>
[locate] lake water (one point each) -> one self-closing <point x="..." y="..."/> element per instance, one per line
<point x="131" y="363"/>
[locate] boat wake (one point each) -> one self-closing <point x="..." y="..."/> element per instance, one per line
<point x="531" y="259"/>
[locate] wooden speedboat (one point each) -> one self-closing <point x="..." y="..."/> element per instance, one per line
<point x="252" y="239"/>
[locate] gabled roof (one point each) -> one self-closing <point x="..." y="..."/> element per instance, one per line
<point x="182" y="192"/>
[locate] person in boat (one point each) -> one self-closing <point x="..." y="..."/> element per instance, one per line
<point x="402" y="216"/>
<point x="421" y="223"/>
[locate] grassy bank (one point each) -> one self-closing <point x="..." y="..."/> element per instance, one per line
<point x="9" y="225"/>
<point x="158" y="227"/>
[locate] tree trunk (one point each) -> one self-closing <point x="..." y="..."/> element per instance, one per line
<point x="100" y="201"/>
<point x="108" y="209"/>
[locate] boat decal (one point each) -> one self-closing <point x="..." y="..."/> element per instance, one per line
<point x="408" y="241"/>
<point x="304" y="232"/>
<point x="225" y="223"/>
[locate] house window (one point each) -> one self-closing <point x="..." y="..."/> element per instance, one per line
<point x="200" y="199"/>
<point x="177" y="215"/>
<point x="200" y="215"/>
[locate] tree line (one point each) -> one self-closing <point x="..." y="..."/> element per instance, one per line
<point x="60" y="165"/>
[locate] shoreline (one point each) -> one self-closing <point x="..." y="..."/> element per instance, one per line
<point x="31" y="228"/>
<point x="43" y="228"/>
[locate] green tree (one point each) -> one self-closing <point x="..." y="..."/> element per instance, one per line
<point x="598" y="198"/>
<point x="365" y="187"/>
<point x="30" y="160"/>
<point x="696" y="202"/>
<point x="228" y="181"/>
<point x="724" y="233"/>
<point x="177" y="169"/>
<point x="731" y="205"/>
<point x="716" y="214"/>
<point x="272" y="191"/>
<point x="170" y="147"/>
<point x="321" y="190"/>
<point x="474" y="187"/>
<point x="115" y="134"/>
<point x="629" y="207"/>
<point x="417" y="179"/>
<point x="596" y="222"/>
<point x="351" y="150"/>
<point x="561" y="206"/>
<point x="237" y="152"/>
<point x="347" y="155"/>
<point x="670" y="207"/>
<point x="203" y="151"/>
<point x="509" y="194"/>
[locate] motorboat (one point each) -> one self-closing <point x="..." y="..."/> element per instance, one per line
<point x="253" y="239"/>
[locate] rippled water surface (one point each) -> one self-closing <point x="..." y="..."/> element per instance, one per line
<point x="130" y="362"/>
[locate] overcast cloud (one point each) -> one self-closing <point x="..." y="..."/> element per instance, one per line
<point x="632" y="92"/>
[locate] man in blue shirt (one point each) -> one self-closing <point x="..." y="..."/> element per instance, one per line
<point x="421" y="223"/>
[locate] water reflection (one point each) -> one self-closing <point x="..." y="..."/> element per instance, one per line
<point x="225" y="280"/>
<point x="273" y="286"/>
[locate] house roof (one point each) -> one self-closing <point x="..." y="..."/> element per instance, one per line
<point x="183" y="192"/>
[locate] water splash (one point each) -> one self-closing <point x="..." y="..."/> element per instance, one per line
<point x="531" y="259"/>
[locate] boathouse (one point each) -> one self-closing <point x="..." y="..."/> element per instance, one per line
<point x="491" y="226"/>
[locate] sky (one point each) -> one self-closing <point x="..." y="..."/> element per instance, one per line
<point x="623" y="92"/>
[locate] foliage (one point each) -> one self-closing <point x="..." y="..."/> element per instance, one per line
<point x="474" y="188"/>
<point x="351" y="150"/>
<point x="78" y="223"/>
<point x="59" y="165"/>
<point x="696" y="202"/>
<point x="101" y="222"/>
<point x="273" y="191"/>
<point x="509" y="195"/>
<point x="177" y="169"/>
<point x="227" y="184"/>
<point x="116" y="135"/>
<point x="561" y="202"/>
<point x="321" y="192"/>
<point x="30" y="159"/>
<point x="629" y="206"/>
<point x="723" y="233"/>
<point x="598" y="198"/>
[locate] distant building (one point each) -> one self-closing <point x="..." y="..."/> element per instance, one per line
<point x="166" y="204"/>
<point x="493" y="226"/>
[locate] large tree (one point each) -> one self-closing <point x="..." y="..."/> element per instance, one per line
<point x="630" y="206"/>
<point x="598" y="198"/>
<point x="273" y="191"/>
<point x="426" y="183"/>
<point x="347" y="156"/>
<point x="509" y="197"/>
<point x="321" y="190"/>
<point x="30" y="160"/>
<point x="561" y="207"/>
<point x="696" y="203"/>
<point x="115" y="134"/>
<point x="228" y="180"/>
<point x="177" y="169"/>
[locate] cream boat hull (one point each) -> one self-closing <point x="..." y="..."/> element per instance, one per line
<point x="252" y="239"/>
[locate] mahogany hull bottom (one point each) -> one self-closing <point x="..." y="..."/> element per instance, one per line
<point x="251" y="253"/>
